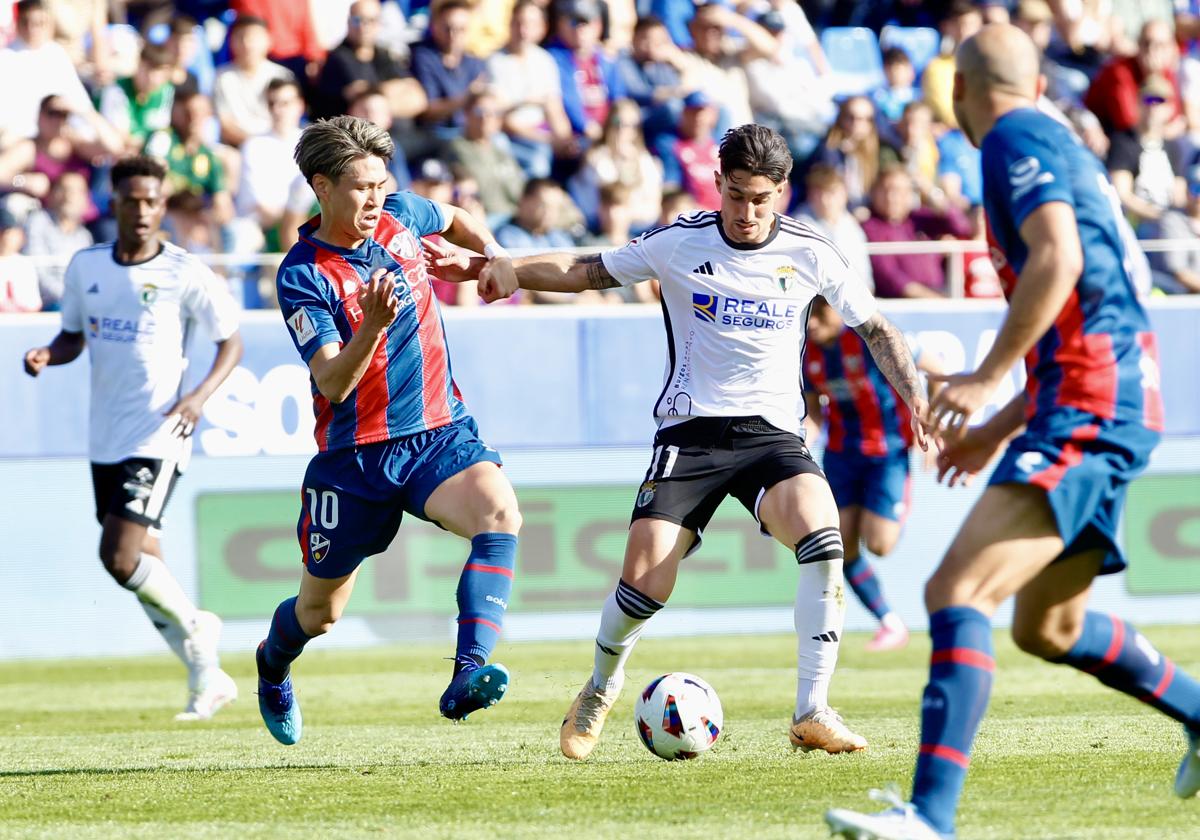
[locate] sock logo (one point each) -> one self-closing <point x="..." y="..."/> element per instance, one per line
<point x="1147" y="649"/>
<point x="828" y="636"/>
<point x="607" y="650"/>
<point x="500" y="602"/>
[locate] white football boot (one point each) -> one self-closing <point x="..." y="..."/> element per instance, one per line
<point x="900" y="822"/>
<point x="209" y="687"/>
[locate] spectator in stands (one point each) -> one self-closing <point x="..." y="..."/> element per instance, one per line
<point x="185" y="48"/>
<point x="959" y="170"/>
<point x="963" y="19"/>
<point x="188" y="224"/>
<point x="525" y="77"/>
<point x="616" y="214"/>
<point x="588" y="77"/>
<point x="361" y="62"/>
<point x="268" y="168"/>
<point x="676" y="17"/>
<point x="33" y="67"/>
<point x="826" y="211"/>
<point x="1145" y="167"/>
<point x="651" y="71"/>
<point x="1113" y="96"/>
<point x="773" y="83"/>
<point x="995" y="11"/>
<point x="294" y="41"/>
<point x="32" y="166"/>
<point x="717" y="66"/>
<point x="18" y="277"/>
<point x="919" y="151"/>
<point x="693" y="157"/>
<point x="1063" y="83"/>
<point x="59" y="231"/>
<point x="140" y="104"/>
<point x="483" y="154"/>
<point x="853" y="147"/>
<point x="193" y="165"/>
<point x="891" y="98"/>
<point x="241" y="85"/>
<point x="893" y="219"/>
<point x="434" y="180"/>
<point x="533" y="226"/>
<point x="621" y="158"/>
<point x="1178" y="271"/>
<point x="676" y="203"/>
<point x="372" y="105"/>
<point x="447" y="72"/>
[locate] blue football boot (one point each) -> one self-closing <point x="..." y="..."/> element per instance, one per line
<point x="280" y="710"/>
<point x="472" y="689"/>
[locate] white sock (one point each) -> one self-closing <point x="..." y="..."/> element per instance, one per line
<point x="172" y="612"/>
<point x="622" y="620"/>
<point x="819" y="613"/>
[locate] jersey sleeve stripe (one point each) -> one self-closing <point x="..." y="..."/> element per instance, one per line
<point x="690" y="222"/>
<point x="789" y="225"/>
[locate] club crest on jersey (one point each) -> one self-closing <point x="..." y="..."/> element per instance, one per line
<point x="786" y="276"/>
<point x="404" y="245"/>
<point x="645" y="494"/>
<point x="705" y="307"/>
<point x="318" y="547"/>
<point x="149" y="294"/>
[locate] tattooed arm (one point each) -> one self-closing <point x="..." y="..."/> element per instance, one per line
<point x="563" y="273"/>
<point x="891" y="353"/>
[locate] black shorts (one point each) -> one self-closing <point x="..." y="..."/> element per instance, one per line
<point x="136" y="489"/>
<point x="699" y="462"/>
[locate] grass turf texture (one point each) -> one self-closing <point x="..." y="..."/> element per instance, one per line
<point x="88" y="749"/>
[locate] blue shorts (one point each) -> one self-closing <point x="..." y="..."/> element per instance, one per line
<point x="1085" y="464"/>
<point x="353" y="499"/>
<point x="879" y="483"/>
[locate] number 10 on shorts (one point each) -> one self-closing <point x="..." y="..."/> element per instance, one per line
<point x="323" y="507"/>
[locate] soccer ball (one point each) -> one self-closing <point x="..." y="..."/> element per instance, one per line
<point x="678" y="716"/>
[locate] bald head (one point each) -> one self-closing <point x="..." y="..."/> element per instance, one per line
<point x="1001" y="59"/>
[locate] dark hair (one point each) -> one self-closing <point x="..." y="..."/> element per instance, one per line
<point x="647" y="22"/>
<point x="157" y="55"/>
<point x="137" y="166"/>
<point x="535" y="185"/>
<point x="370" y="90"/>
<point x="822" y="176"/>
<point x="961" y="8"/>
<point x="279" y="84"/>
<point x="521" y="4"/>
<point x="182" y="25"/>
<point x="757" y="150"/>
<point x="895" y="55"/>
<point x="24" y="7"/>
<point x="242" y="21"/>
<point x="329" y="147"/>
<point x="441" y="8"/>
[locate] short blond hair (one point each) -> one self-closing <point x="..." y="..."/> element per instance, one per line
<point x="329" y="147"/>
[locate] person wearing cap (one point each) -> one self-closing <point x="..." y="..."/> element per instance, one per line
<point x="446" y="70"/>
<point x="691" y="158"/>
<point x="588" y="78"/>
<point x="1178" y="271"/>
<point x="773" y="82"/>
<point x="1143" y="164"/>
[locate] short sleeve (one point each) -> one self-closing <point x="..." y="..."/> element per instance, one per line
<point x="305" y="309"/>
<point x="420" y="215"/>
<point x="1027" y="170"/>
<point x="208" y="302"/>
<point x="843" y="287"/>
<point x="634" y="262"/>
<point x="71" y="304"/>
<point x="1123" y="153"/>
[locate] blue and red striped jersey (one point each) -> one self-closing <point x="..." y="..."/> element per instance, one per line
<point x="1100" y="355"/>
<point x="863" y="412"/>
<point x="408" y="387"/>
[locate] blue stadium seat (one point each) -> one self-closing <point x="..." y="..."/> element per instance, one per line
<point x="854" y="56"/>
<point x="921" y="43"/>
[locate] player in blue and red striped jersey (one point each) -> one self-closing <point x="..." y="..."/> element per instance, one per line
<point x="1090" y="416"/>
<point x="868" y="441"/>
<point x="392" y="431"/>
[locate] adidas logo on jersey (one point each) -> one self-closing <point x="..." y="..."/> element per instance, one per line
<point x="704" y="268"/>
<point x="830" y="636"/>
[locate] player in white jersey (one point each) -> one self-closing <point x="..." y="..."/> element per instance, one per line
<point x="132" y="303"/>
<point x="736" y="286"/>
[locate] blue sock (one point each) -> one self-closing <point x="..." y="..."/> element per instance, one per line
<point x="861" y="577"/>
<point x="960" y="681"/>
<point x="1122" y="658"/>
<point x="483" y="592"/>
<point x="285" y="641"/>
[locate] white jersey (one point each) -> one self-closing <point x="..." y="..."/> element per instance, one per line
<point x="136" y="320"/>
<point x="736" y="314"/>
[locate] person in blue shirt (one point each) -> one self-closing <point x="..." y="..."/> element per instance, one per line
<point x="1085" y="426"/>
<point x="447" y="72"/>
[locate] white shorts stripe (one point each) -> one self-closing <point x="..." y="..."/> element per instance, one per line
<point x="158" y="493"/>
<point x="672" y="454"/>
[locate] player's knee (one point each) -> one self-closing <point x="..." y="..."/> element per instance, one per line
<point x="880" y="545"/>
<point x="947" y="589"/>
<point x="1043" y="639"/>
<point x="317" y="619"/>
<point x="501" y="517"/>
<point x="119" y="561"/>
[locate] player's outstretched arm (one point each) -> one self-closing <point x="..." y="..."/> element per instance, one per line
<point x="1043" y="287"/>
<point x="563" y="273"/>
<point x="65" y="348"/>
<point x="891" y="353"/>
<point x="498" y="281"/>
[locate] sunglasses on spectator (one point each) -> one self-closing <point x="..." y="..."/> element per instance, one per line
<point x="1154" y="100"/>
<point x="57" y="113"/>
<point x="485" y="112"/>
<point x="362" y="20"/>
<point x="275" y="103"/>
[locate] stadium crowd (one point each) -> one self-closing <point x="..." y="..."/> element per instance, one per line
<point x="570" y="122"/>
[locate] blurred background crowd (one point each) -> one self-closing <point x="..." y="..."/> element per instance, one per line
<point x="570" y="122"/>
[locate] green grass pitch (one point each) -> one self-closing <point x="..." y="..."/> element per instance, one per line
<point x="88" y="749"/>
